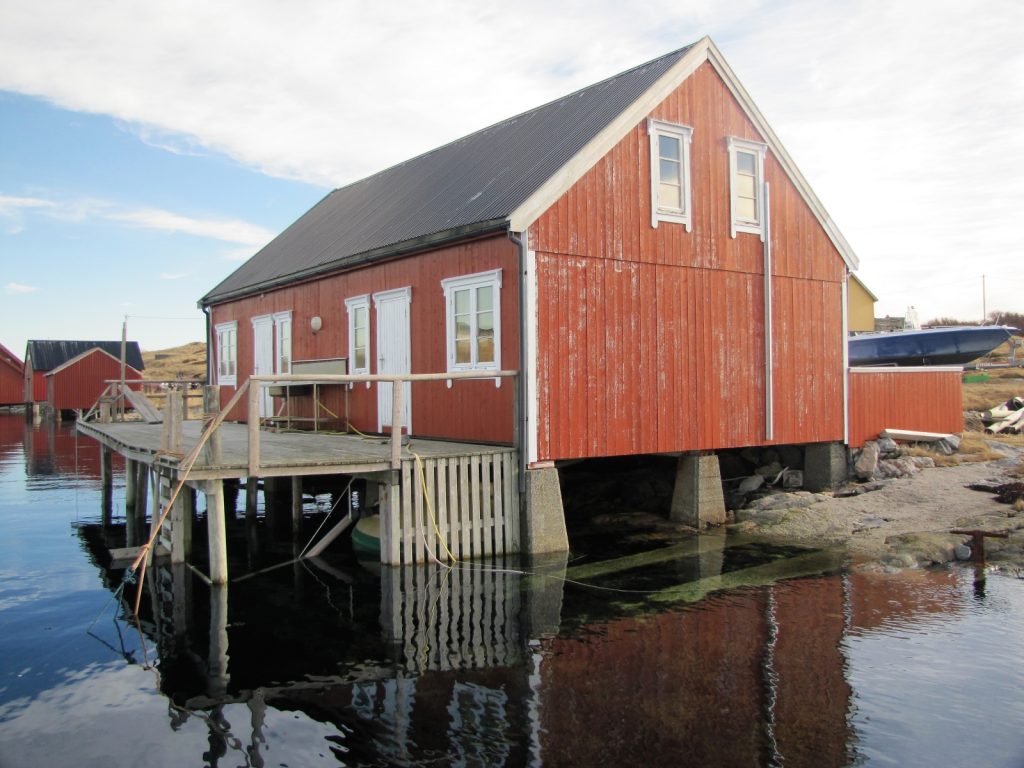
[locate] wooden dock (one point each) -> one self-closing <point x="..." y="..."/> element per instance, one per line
<point x="439" y="500"/>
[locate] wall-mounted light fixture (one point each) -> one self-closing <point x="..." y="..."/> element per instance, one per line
<point x="316" y="323"/>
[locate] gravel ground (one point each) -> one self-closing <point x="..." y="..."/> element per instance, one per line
<point x="905" y="522"/>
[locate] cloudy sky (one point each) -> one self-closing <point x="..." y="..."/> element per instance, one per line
<point x="149" y="148"/>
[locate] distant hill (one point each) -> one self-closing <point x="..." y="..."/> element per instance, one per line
<point x="185" y="362"/>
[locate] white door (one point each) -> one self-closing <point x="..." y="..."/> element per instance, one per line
<point x="263" y="357"/>
<point x="393" y="352"/>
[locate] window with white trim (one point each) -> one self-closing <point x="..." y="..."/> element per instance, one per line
<point x="670" y="173"/>
<point x="473" y="321"/>
<point x="358" y="334"/>
<point x="746" y="184"/>
<point x="227" y="352"/>
<point x="283" y="341"/>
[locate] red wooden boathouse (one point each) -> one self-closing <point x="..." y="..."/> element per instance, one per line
<point x="643" y="251"/>
<point x="11" y="368"/>
<point x="70" y="375"/>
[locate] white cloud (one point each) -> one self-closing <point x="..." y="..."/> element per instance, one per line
<point x="13" y="289"/>
<point x="11" y="205"/>
<point x="227" y="230"/>
<point x="905" y="117"/>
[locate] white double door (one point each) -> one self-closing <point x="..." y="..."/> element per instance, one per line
<point x="263" y="358"/>
<point x="393" y="353"/>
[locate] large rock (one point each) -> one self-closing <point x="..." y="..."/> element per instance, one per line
<point x="867" y="461"/>
<point x="889" y="448"/>
<point x="750" y="484"/>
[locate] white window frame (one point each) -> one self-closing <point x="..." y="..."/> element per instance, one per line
<point x="352" y="304"/>
<point x="450" y="285"/>
<point x="221" y="329"/>
<point x="280" y="320"/>
<point x="738" y="223"/>
<point x="684" y="133"/>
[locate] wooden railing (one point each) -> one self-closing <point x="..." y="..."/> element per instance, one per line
<point x="256" y="383"/>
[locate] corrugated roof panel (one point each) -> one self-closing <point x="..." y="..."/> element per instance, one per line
<point x="479" y="178"/>
<point x="47" y="354"/>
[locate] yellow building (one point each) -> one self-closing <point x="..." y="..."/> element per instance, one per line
<point x="860" y="306"/>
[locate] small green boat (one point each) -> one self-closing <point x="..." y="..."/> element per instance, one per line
<point x="366" y="536"/>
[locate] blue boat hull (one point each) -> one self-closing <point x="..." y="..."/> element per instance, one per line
<point x="935" y="346"/>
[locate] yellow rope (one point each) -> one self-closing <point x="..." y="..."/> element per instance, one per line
<point x="430" y="507"/>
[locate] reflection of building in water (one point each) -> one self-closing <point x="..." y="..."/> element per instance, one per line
<point x="54" y="448"/>
<point x="477" y="665"/>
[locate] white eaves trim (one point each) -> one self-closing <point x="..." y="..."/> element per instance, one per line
<point x="704" y="50"/>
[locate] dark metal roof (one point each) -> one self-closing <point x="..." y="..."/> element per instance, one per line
<point x="466" y="187"/>
<point x="47" y="354"/>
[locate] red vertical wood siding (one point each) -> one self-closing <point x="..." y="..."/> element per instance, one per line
<point x="473" y="410"/>
<point x="35" y="385"/>
<point x="80" y="384"/>
<point x="12" y="386"/>
<point x="919" y="399"/>
<point x="652" y="339"/>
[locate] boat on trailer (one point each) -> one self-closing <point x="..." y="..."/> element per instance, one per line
<point x="930" y="346"/>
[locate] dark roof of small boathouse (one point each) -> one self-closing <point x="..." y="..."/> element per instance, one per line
<point x="467" y="187"/>
<point x="48" y="354"/>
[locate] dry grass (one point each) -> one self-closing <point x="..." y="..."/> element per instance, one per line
<point x="1003" y="384"/>
<point x="975" y="446"/>
<point x="185" y="362"/>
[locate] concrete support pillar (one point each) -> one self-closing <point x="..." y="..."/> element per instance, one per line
<point x="216" y="532"/>
<point x="697" y="499"/>
<point x="296" y="504"/>
<point x="107" y="485"/>
<point x="825" y="466"/>
<point x="543" y="516"/>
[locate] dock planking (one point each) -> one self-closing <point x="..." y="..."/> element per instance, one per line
<point x="281" y="453"/>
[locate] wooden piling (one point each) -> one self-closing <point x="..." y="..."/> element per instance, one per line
<point x="107" y="484"/>
<point x="251" y="497"/>
<point x="296" y="504"/>
<point x="216" y="532"/>
<point x="141" y="499"/>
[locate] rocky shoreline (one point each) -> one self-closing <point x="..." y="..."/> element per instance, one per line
<point x="902" y="511"/>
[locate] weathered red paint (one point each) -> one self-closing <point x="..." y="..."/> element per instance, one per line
<point x="473" y="410"/>
<point x="11" y="382"/>
<point x="652" y="339"/>
<point x="80" y="382"/>
<point x="919" y="399"/>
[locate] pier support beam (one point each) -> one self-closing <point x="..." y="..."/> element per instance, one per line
<point x="825" y="466"/>
<point x="697" y="499"/>
<point x="543" y="515"/>
<point x="130" y="478"/>
<point x="297" y="504"/>
<point x="182" y="514"/>
<point x="252" y="485"/>
<point x="141" y="500"/>
<point x="216" y="532"/>
<point x="107" y="484"/>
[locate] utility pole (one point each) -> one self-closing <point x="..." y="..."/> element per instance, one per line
<point x="984" y="307"/>
<point x="124" y="349"/>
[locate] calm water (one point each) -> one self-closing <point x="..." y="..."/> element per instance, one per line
<point x="333" y="663"/>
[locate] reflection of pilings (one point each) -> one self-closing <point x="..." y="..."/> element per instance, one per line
<point x="217" y="669"/>
<point x="451" y="618"/>
<point x="251" y="491"/>
<point x="257" y="714"/>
